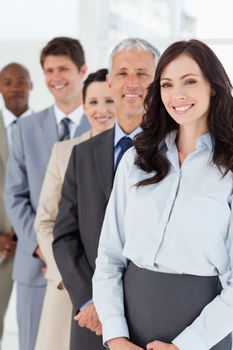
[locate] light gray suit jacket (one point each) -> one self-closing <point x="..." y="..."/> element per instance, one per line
<point x="33" y="140"/>
<point x="4" y="221"/>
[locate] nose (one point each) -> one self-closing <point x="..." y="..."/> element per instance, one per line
<point x="15" y="87"/>
<point x="132" y="80"/>
<point x="55" y="75"/>
<point x="100" y="108"/>
<point x="178" y="93"/>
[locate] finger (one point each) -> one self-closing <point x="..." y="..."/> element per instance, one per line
<point x="8" y="251"/>
<point x="99" y="331"/>
<point x="77" y="316"/>
<point x="10" y="245"/>
<point x="151" y="346"/>
<point x="8" y="255"/>
<point x="83" y="321"/>
<point x="94" y="326"/>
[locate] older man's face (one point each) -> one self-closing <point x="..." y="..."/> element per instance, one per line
<point x="132" y="72"/>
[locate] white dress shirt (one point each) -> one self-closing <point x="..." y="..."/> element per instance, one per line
<point x="74" y="116"/>
<point x="182" y="224"/>
<point x="8" y="119"/>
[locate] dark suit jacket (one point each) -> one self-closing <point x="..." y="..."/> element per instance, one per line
<point x="86" y="190"/>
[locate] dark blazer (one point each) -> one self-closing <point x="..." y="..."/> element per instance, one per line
<point x="86" y="190"/>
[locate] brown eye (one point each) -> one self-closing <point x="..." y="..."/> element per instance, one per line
<point x="165" y="85"/>
<point x="109" y="101"/>
<point x="190" y="82"/>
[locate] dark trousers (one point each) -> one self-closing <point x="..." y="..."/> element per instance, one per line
<point x="83" y="339"/>
<point x="159" y="306"/>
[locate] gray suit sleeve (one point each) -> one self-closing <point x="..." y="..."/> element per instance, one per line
<point x="67" y="245"/>
<point x="17" y="194"/>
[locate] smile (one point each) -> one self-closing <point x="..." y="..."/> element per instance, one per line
<point x="102" y="119"/>
<point x="132" y="95"/>
<point x="58" y="86"/>
<point x="182" y="109"/>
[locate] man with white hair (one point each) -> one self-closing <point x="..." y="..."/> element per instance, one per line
<point x="88" y="183"/>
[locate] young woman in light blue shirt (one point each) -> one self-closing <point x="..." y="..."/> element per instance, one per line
<point x="168" y="231"/>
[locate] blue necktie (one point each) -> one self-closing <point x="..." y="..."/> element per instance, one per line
<point x="65" y="132"/>
<point x="124" y="143"/>
<point x="14" y="123"/>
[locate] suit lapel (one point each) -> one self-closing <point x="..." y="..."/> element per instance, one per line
<point x="3" y="141"/>
<point x="103" y="153"/>
<point x="49" y="128"/>
<point x="83" y="126"/>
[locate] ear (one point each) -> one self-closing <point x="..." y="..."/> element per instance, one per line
<point x="109" y="80"/>
<point x="83" y="71"/>
<point x="213" y="92"/>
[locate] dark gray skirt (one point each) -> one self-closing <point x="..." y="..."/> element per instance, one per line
<point x="159" y="306"/>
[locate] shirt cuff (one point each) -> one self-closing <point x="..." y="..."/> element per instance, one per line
<point x="188" y="340"/>
<point x="85" y="304"/>
<point x="114" y="327"/>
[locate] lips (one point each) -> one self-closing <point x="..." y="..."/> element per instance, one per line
<point x="130" y="95"/>
<point x="103" y="119"/>
<point x="58" y="86"/>
<point x="13" y="96"/>
<point x="182" y="109"/>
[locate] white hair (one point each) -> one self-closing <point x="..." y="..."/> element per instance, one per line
<point x="134" y="43"/>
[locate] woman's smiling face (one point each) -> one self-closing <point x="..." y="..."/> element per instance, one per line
<point x="99" y="106"/>
<point x="185" y="92"/>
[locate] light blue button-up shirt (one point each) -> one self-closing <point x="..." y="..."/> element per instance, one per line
<point x="183" y="224"/>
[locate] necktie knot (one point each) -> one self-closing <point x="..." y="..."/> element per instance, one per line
<point x="65" y="129"/>
<point x="125" y="143"/>
<point x="14" y="122"/>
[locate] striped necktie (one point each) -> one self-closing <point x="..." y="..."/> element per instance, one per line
<point x="65" y="129"/>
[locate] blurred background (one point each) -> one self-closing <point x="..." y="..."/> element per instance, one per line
<point x="26" y="26"/>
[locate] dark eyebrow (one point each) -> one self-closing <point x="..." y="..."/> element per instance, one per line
<point x="183" y="76"/>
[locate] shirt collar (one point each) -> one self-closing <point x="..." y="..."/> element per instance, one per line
<point x="202" y="142"/>
<point x="119" y="133"/>
<point x="9" y="117"/>
<point x="74" y="116"/>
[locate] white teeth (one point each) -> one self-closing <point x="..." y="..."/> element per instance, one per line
<point x="131" y="95"/>
<point x="102" y="118"/>
<point x="183" y="108"/>
<point x="58" y="87"/>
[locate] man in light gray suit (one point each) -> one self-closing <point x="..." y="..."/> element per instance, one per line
<point x="15" y="86"/>
<point x="63" y="63"/>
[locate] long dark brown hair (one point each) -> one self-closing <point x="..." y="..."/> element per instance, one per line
<point x="157" y="123"/>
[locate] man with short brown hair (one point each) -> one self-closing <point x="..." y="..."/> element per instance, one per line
<point x="64" y="69"/>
